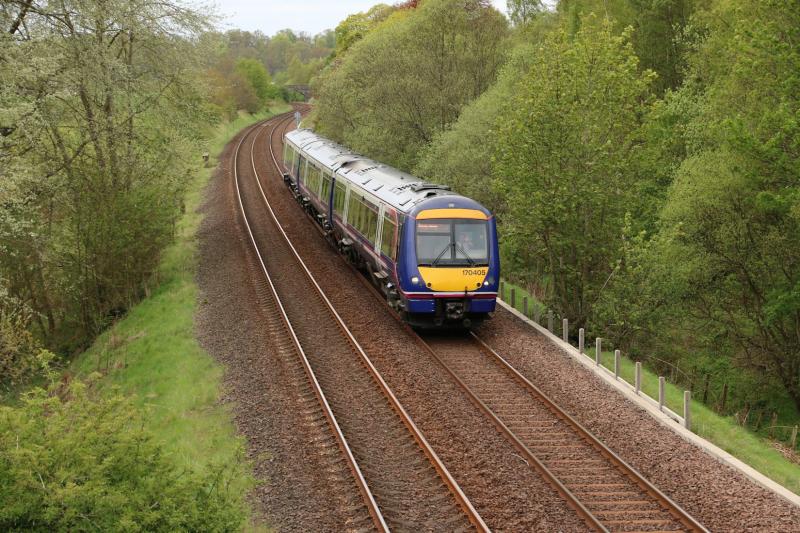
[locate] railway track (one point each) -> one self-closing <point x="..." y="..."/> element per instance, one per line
<point x="402" y="483"/>
<point x="602" y="488"/>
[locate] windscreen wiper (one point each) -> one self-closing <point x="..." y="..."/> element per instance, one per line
<point x="466" y="255"/>
<point x="438" y="257"/>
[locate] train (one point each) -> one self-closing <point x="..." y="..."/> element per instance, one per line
<point x="432" y="253"/>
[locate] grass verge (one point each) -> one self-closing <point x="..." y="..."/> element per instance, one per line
<point x="723" y="431"/>
<point x="152" y="353"/>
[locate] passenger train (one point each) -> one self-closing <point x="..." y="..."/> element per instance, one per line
<point x="433" y="253"/>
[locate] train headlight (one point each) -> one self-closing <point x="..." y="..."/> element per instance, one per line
<point x="485" y="283"/>
<point x="415" y="280"/>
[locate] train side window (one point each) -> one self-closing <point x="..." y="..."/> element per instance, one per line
<point x="387" y="238"/>
<point x="353" y="211"/>
<point x="371" y="221"/>
<point x="303" y="167"/>
<point x="326" y="186"/>
<point x="339" y="195"/>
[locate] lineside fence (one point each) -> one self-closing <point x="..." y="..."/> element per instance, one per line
<point x="543" y="317"/>
<point x="560" y="327"/>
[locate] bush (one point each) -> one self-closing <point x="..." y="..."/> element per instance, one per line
<point x="74" y="460"/>
<point x="19" y="349"/>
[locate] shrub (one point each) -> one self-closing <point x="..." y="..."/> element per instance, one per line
<point x="74" y="460"/>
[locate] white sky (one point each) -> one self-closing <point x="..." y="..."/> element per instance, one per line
<point x="310" y="16"/>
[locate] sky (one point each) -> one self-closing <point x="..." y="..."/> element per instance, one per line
<point x="310" y="16"/>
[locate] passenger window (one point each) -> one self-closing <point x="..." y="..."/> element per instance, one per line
<point x="387" y="238"/>
<point x="339" y="195"/>
<point x="326" y="187"/>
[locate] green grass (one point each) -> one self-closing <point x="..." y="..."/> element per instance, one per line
<point x="723" y="431"/>
<point x="152" y="353"/>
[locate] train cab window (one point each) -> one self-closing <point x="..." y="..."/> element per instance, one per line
<point x="327" y="181"/>
<point x="339" y="196"/>
<point x="387" y="238"/>
<point x="452" y="242"/>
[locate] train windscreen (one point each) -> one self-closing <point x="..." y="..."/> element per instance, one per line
<point x="452" y="242"/>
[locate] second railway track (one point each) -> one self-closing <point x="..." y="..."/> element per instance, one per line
<point x="608" y="493"/>
<point x="403" y="483"/>
<point x="597" y="484"/>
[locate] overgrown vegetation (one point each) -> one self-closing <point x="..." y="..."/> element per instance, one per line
<point x="74" y="460"/>
<point x="642" y="158"/>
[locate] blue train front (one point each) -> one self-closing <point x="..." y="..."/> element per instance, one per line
<point x="449" y="266"/>
<point x="432" y="253"/>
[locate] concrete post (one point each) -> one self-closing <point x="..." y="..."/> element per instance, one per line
<point x="580" y="340"/>
<point x="513" y="297"/>
<point x="536" y="314"/>
<point x="687" y="412"/>
<point x="565" y="335"/>
<point x="661" y="382"/>
<point x="550" y="321"/>
<point x="616" y="364"/>
<point x="598" y="347"/>
<point x="525" y="306"/>
<point x="793" y="440"/>
<point x="502" y="290"/>
<point x="638" y="377"/>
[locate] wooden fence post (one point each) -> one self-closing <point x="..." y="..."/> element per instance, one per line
<point x="581" y="333"/>
<point x="550" y="321"/>
<point x="525" y="306"/>
<point x="793" y="440"/>
<point x="565" y="335"/>
<point x="514" y="297"/>
<point x="616" y="363"/>
<point x="661" y="383"/>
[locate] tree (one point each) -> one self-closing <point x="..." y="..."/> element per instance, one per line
<point x="256" y="75"/>
<point x="566" y="162"/>
<point x="732" y="220"/>
<point x="523" y="11"/>
<point x="102" y="107"/>
<point x="408" y="78"/>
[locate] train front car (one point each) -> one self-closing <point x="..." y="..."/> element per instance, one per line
<point x="449" y="266"/>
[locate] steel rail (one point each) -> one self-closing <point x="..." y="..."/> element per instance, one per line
<point x="459" y="495"/>
<point x="673" y="508"/>
<point x="361" y="482"/>
<point x="628" y="471"/>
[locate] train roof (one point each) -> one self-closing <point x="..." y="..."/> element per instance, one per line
<point x="399" y="189"/>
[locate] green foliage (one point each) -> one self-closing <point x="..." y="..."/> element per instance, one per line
<point x="356" y="26"/>
<point x="734" y="206"/>
<point x="95" y="156"/>
<point x="408" y="78"/>
<point x="658" y="37"/>
<point x="523" y="11"/>
<point x="73" y="460"/>
<point x="257" y="76"/>
<point x="21" y="353"/>
<point x="461" y="155"/>
<point x="566" y="150"/>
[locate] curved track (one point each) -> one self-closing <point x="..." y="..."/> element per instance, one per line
<point x="602" y="488"/>
<point x="402" y="482"/>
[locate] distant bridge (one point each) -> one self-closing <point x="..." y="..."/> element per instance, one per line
<point x="305" y="90"/>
